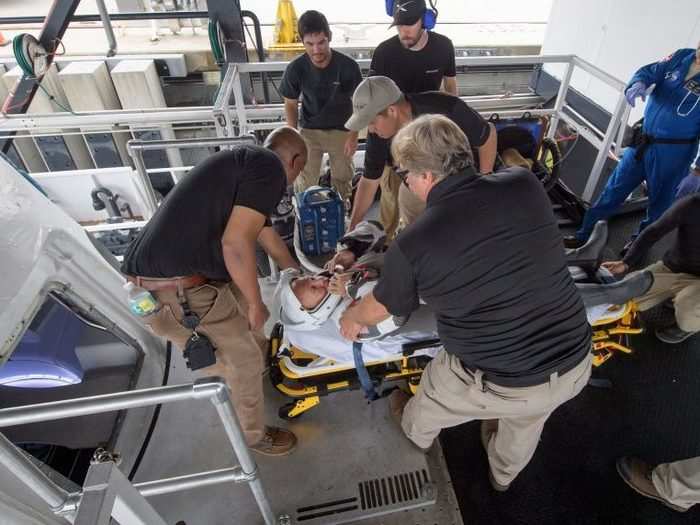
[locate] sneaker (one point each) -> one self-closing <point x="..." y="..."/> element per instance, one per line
<point x="672" y="334"/>
<point x="637" y="474"/>
<point x="488" y="429"/>
<point x="571" y="241"/>
<point x="275" y="442"/>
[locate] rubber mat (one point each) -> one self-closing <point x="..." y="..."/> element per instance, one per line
<point x="650" y="411"/>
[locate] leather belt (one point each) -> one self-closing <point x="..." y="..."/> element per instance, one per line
<point x="153" y="284"/>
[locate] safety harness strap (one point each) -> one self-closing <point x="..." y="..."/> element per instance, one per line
<point x="362" y="373"/>
<point x="648" y="140"/>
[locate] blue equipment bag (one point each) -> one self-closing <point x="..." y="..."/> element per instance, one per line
<point x="321" y="220"/>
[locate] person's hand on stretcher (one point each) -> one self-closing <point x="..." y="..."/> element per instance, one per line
<point x="339" y="281"/>
<point x="343" y="259"/>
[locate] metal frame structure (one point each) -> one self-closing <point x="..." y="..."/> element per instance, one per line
<point x="243" y="118"/>
<point x="55" y="26"/>
<point x="137" y="147"/>
<point x="107" y="492"/>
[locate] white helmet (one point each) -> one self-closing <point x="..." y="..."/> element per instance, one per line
<point x="292" y="313"/>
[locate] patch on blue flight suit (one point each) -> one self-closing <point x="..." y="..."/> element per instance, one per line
<point x="693" y="86"/>
<point x="672" y="75"/>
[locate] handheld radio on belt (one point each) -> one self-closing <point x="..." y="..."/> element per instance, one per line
<point x="199" y="351"/>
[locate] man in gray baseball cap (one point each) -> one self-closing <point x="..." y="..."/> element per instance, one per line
<point x="380" y="106"/>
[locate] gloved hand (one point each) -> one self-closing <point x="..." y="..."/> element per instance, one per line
<point x="638" y="89"/>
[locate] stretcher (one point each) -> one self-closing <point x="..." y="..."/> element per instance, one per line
<point x="305" y="377"/>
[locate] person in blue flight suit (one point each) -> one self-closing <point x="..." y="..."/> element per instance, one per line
<point x="664" y="150"/>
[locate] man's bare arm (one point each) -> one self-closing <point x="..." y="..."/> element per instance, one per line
<point x="449" y="85"/>
<point x="238" y="246"/>
<point x="364" y="197"/>
<point x="291" y="111"/>
<point x="275" y="247"/>
<point x="488" y="151"/>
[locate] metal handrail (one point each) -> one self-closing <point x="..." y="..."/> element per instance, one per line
<point x="136" y="148"/>
<point x="271" y="115"/>
<point x="61" y="502"/>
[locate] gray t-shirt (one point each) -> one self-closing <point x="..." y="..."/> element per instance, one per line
<point x="326" y="94"/>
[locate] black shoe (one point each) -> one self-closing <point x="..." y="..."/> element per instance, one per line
<point x="672" y="335"/>
<point x="571" y="241"/>
<point x="637" y="474"/>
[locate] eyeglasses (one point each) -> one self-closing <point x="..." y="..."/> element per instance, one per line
<point x="403" y="175"/>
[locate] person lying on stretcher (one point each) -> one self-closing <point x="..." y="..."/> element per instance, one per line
<point x="310" y="306"/>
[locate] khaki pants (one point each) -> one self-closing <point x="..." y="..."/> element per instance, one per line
<point x="683" y="288"/>
<point x="398" y="206"/>
<point x="239" y="352"/>
<point x="678" y="482"/>
<point x="449" y="396"/>
<point x="331" y="141"/>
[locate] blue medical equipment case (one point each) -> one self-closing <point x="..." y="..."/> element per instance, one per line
<point x="321" y="220"/>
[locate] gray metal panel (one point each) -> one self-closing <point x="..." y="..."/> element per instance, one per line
<point x="55" y="153"/>
<point x="104" y="151"/>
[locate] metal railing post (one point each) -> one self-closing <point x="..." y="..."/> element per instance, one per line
<point x="222" y="116"/>
<point x="561" y="98"/>
<point x="604" y="150"/>
<point x="128" y="499"/>
<point x="224" y="407"/>
<point x="240" y="101"/>
<point x="151" y="199"/>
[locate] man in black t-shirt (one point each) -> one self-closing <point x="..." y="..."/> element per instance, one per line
<point x="677" y="276"/>
<point x="417" y="60"/>
<point x="325" y="80"/>
<point x="486" y="257"/>
<point x="197" y="256"/>
<point x="379" y="105"/>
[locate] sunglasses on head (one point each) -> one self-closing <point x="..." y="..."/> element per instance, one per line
<point x="403" y="175"/>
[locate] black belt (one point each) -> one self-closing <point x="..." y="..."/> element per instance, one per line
<point x="647" y="140"/>
<point x="524" y="381"/>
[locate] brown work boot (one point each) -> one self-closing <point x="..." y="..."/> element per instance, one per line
<point x="275" y="442"/>
<point x="397" y="402"/>
<point x="637" y="474"/>
<point x="488" y="428"/>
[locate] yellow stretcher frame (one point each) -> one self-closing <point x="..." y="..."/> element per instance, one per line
<point x="610" y="335"/>
<point x="306" y="391"/>
<point x="609" y="338"/>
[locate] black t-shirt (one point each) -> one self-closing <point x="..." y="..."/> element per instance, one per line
<point x="184" y="236"/>
<point x="487" y="257"/>
<point x="684" y="255"/>
<point x="477" y="130"/>
<point x="415" y="71"/>
<point x="326" y="94"/>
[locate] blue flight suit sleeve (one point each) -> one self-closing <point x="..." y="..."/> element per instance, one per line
<point x="654" y="73"/>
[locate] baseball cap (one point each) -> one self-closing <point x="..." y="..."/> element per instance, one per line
<point x="408" y="12"/>
<point x="372" y="96"/>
